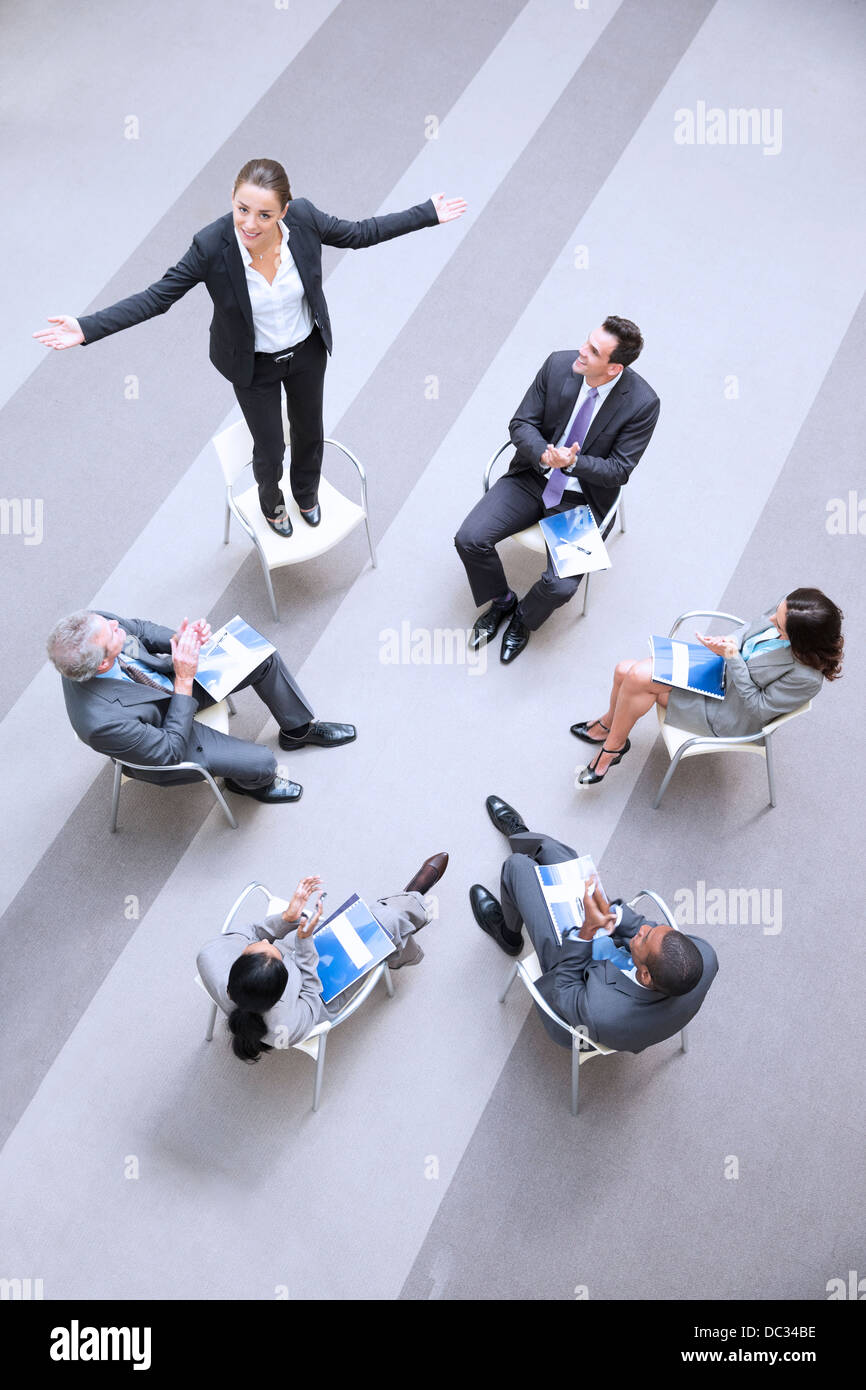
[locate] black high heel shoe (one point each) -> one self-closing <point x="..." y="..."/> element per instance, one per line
<point x="582" y="730"/>
<point x="589" y="776"/>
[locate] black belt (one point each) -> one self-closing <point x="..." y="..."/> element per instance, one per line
<point x="285" y="354"/>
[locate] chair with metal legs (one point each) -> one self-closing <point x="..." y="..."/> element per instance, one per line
<point x="682" y="744"/>
<point x="532" y="538"/>
<point x="340" y="515"/>
<point x="583" y="1048"/>
<point x="216" y="717"/>
<point x="315" y="1043"/>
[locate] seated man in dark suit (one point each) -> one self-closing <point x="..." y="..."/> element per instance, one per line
<point x="621" y="1003"/>
<point x="128" y="687"/>
<point x="578" y="432"/>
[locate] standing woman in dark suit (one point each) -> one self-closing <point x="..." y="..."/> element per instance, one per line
<point x="262" y="266"/>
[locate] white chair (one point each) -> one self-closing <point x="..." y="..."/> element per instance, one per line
<point x="216" y="717"/>
<point x="315" y="1043"/>
<point x="533" y="537"/>
<point x="682" y="744"/>
<point x="340" y="515"/>
<point x="582" y="1047"/>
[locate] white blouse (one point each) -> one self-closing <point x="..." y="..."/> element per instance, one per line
<point x="281" y="313"/>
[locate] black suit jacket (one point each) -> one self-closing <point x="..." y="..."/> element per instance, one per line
<point x="214" y="257"/>
<point x="614" y="442"/>
<point x="615" y="1010"/>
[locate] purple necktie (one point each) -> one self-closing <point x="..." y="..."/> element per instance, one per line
<point x="552" y="494"/>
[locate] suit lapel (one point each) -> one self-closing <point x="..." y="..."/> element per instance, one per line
<point x="616" y="400"/>
<point x="237" y="273"/>
<point x="126" y="692"/>
<point x="565" y="405"/>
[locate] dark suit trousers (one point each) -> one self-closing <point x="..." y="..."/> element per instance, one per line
<point x="302" y="377"/>
<point x="512" y="504"/>
<point x="521" y="896"/>
<point x="250" y="764"/>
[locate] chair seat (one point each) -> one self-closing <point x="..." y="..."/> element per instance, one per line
<point x="532" y="538"/>
<point x="340" y="516"/>
<point x="532" y="966"/>
<point x="674" y="739"/>
<point x="215" y="716"/>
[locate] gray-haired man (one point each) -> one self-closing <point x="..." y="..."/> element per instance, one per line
<point x="128" y="687"/>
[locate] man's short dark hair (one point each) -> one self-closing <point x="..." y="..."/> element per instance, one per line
<point x="630" y="342"/>
<point x="679" y="964"/>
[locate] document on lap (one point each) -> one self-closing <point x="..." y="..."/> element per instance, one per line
<point x="574" y="542"/>
<point x="230" y="656"/>
<point x="563" y="887"/>
<point x="349" y="945"/>
<point x="688" y="666"/>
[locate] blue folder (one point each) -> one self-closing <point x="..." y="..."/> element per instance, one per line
<point x="688" y="666"/>
<point x="336" y="969"/>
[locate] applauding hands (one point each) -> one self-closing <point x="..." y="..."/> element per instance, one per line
<point x="304" y="891"/>
<point x="722" y="646"/>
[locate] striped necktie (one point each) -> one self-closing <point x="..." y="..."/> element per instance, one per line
<point x="139" y="673"/>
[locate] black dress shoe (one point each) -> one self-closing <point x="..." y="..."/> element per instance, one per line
<point x="504" y="817"/>
<point x="589" y="777"/>
<point x="282" y="525"/>
<point x="320" y="735"/>
<point x="429" y="873"/>
<point x="582" y="731"/>
<point x="488" y="915"/>
<point x="281" y="789"/>
<point x="312" y="518"/>
<point x="514" y="640"/>
<point x="487" y="626"/>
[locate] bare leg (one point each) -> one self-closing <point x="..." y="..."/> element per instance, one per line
<point x="620" y="671"/>
<point x="635" y="695"/>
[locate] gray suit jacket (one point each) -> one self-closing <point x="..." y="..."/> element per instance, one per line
<point x="615" y="1010"/>
<point x="300" y="1008"/>
<point x="614" y="442"/>
<point x="125" y="720"/>
<point x="759" y="690"/>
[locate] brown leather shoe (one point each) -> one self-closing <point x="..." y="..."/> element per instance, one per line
<point x="429" y="873"/>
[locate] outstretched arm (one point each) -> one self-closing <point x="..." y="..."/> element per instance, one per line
<point x="337" y="231"/>
<point x="156" y="299"/>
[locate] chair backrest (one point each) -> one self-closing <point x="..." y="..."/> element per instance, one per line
<point x="491" y="463"/>
<point x="783" y="718"/>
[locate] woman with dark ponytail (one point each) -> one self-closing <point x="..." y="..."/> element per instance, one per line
<point x="773" y="665"/>
<point x="262" y="266"/>
<point x="264" y="976"/>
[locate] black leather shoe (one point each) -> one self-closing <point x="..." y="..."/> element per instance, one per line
<point x="429" y="873"/>
<point x="488" y="915"/>
<point x="281" y="789"/>
<point x="320" y="735"/>
<point x="589" y="776"/>
<point x="312" y="518"/>
<point x="582" y="731"/>
<point x="514" y="640"/>
<point x="487" y="626"/>
<point x="282" y="525"/>
<point x="504" y="817"/>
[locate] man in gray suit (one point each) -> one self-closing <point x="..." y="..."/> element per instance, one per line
<point x="129" y="692"/>
<point x="578" y="433"/>
<point x="626" y="1008"/>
